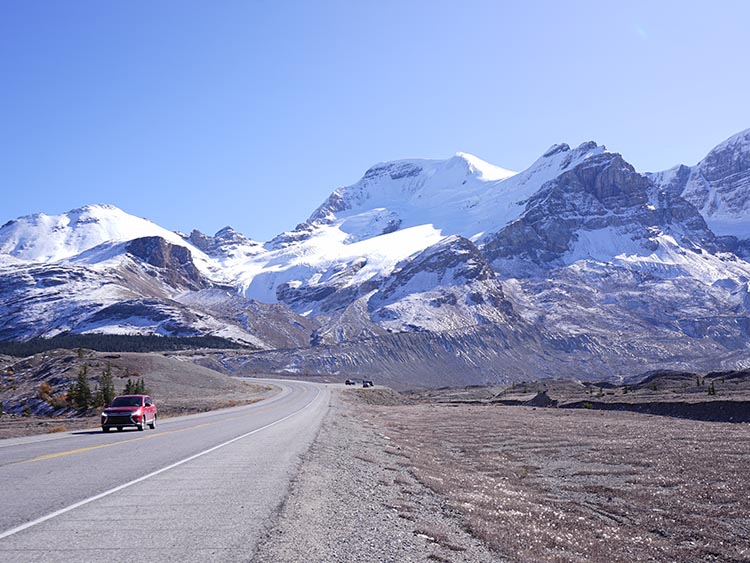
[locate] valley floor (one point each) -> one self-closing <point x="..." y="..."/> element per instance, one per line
<point x="427" y="482"/>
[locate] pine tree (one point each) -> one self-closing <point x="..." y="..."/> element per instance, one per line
<point x="81" y="390"/>
<point x="129" y="387"/>
<point x="106" y="388"/>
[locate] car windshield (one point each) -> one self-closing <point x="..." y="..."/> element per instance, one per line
<point x="126" y="402"/>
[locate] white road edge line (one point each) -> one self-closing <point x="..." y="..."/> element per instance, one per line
<point x="78" y="504"/>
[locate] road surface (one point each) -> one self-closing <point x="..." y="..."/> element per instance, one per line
<point x="198" y="488"/>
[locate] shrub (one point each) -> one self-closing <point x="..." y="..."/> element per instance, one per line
<point x="44" y="392"/>
<point x="60" y="401"/>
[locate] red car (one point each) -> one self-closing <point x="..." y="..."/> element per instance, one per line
<point x="129" y="410"/>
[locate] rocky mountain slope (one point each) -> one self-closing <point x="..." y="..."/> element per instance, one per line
<point x="578" y="265"/>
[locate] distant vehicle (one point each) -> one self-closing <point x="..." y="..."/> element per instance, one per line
<point x="367" y="383"/>
<point x="129" y="410"/>
<point x="349" y="382"/>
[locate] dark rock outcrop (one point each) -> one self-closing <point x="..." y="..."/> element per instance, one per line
<point x="174" y="263"/>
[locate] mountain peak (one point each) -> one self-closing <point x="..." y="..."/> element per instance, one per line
<point x="483" y="169"/>
<point x="49" y="238"/>
<point x="556" y="149"/>
<point x="737" y="142"/>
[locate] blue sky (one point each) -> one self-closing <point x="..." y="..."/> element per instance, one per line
<point x="249" y="113"/>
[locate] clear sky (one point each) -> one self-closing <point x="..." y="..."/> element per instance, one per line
<point x="249" y="113"/>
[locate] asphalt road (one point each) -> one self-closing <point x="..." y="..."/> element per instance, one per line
<point x="198" y="488"/>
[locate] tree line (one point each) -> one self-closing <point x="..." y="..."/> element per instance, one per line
<point x="116" y="343"/>
<point x="81" y="397"/>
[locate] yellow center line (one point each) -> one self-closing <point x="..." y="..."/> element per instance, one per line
<point x="90" y="448"/>
<point x="165" y="433"/>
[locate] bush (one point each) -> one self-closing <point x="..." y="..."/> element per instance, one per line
<point x="44" y="392"/>
<point x="58" y="402"/>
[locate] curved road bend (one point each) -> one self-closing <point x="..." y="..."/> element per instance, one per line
<point x="198" y="488"/>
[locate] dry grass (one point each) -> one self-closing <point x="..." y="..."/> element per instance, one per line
<point x="56" y="429"/>
<point x="550" y="485"/>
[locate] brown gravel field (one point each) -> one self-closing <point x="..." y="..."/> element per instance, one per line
<point x="556" y="485"/>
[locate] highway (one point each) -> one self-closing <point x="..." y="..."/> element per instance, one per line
<point x="197" y="488"/>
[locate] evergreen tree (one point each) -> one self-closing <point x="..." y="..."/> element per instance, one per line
<point x="129" y="387"/>
<point x="106" y="387"/>
<point x="82" y="397"/>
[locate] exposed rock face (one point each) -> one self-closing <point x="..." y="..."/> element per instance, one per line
<point x="330" y="292"/>
<point x="447" y="286"/>
<point x="721" y="181"/>
<point x="224" y="243"/>
<point x="174" y="263"/>
<point x="719" y="186"/>
<point x="454" y="261"/>
<point x="602" y="193"/>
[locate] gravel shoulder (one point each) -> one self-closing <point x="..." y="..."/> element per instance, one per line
<point x="355" y="500"/>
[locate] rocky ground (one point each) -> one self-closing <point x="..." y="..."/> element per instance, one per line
<point x="391" y="479"/>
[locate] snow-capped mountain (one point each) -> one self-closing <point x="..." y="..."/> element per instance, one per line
<point x="100" y="270"/>
<point x="397" y="210"/>
<point x="52" y="238"/>
<point x="578" y="260"/>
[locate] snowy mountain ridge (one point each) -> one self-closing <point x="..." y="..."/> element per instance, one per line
<point x="579" y="253"/>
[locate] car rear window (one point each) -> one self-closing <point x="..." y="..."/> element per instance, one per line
<point x="126" y="402"/>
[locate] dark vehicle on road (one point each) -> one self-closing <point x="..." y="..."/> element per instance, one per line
<point x="129" y="410"/>
<point x="349" y="382"/>
<point x="367" y="383"/>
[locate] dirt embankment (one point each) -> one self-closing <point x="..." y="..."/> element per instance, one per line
<point x="710" y="411"/>
<point x="715" y="397"/>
